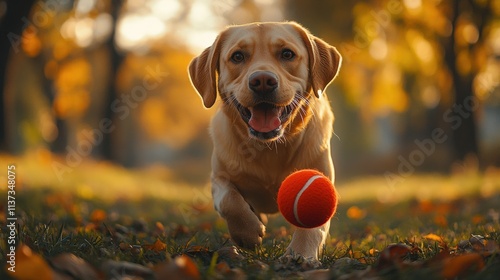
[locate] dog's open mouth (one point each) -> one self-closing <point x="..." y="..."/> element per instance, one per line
<point x="265" y="120"/>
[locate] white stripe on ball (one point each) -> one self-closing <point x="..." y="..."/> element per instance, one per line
<point x="296" y="202"/>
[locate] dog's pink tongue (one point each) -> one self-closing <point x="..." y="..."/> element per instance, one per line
<point x="264" y="119"/>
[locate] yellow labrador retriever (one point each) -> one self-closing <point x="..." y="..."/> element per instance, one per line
<point x="273" y="120"/>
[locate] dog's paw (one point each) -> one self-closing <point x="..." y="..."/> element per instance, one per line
<point x="246" y="231"/>
<point x="290" y="261"/>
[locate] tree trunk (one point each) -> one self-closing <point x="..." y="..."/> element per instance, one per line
<point x="11" y="29"/>
<point x="116" y="59"/>
<point x="463" y="110"/>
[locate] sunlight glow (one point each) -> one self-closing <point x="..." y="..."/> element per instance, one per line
<point x="199" y="40"/>
<point x="200" y="14"/>
<point x="86" y="30"/>
<point x="264" y="2"/>
<point x="134" y="5"/>
<point x="134" y="30"/>
<point x="83" y="7"/>
<point x="48" y="129"/>
<point x="194" y="25"/>
<point x="203" y="25"/>
<point x="165" y="9"/>
<point x="423" y="50"/>
<point x="68" y="28"/>
<point x="378" y="49"/>
<point x="486" y="81"/>
<point x="103" y="26"/>
<point x="470" y="33"/>
<point x="494" y="40"/>
<point x="413" y="4"/>
<point x="430" y="97"/>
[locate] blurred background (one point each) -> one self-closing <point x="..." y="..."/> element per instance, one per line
<point x="418" y="91"/>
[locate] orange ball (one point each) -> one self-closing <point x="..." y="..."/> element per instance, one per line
<point x="307" y="198"/>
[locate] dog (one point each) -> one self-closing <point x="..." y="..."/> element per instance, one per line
<point x="274" y="119"/>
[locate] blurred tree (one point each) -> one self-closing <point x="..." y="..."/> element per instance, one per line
<point x="468" y="20"/>
<point x="409" y="67"/>
<point x="70" y="46"/>
<point x="81" y="36"/>
<point x="116" y="58"/>
<point x="11" y="28"/>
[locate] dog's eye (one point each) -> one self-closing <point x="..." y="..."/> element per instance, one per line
<point x="287" y="54"/>
<point x="237" y="57"/>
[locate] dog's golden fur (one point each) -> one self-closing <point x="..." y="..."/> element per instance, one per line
<point x="262" y="133"/>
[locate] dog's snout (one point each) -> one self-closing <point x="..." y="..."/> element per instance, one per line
<point x="263" y="82"/>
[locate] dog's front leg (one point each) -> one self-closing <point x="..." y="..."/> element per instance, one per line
<point x="244" y="226"/>
<point x="307" y="242"/>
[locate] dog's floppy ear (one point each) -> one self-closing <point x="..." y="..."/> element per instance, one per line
<point x="324" y="61"/>
<point x="203" y="73"/>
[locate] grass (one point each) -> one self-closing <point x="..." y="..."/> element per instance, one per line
<point x="108" y="218"/>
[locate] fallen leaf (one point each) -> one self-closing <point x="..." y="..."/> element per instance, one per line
<point x="136" y="249"/>
<point x="461" y="265"/>
<point x="125" y="246"/>
<point x="30" y="265"/>
<point x="222" y="267"/>
<point x="434" y="237"/>
<point x="97" y="216"/>
<point x="356" y="213"/>
<point x="159" y="227"/>
<point x="181" y="268"/>
<point x="91" y="227"/>
<point x="113" y="268"/>
<point x="441" y="221"/>
<point x="477" y="242"/>
<point x="121" y="229"/>
<point x="393" y="254"/>
<point x="158" y="246"/>
<point x="477" y="219"/>
<point x="464" y="246"/>
<point x="476" y="238"/>
<point x="373" y="252"/>
<point x="396" y="251"/>
<point x="77" y="268"/>
<point x="199" y="253"/>
<point x="426" y="206"/>
<point x="229" y="254"/>
<point x="491" y="246"/>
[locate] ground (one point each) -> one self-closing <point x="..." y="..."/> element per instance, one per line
<point x="100" y="221"/>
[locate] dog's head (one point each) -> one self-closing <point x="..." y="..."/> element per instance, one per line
<point x="265" y="74"/>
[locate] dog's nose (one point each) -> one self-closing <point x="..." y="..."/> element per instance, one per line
<point x="263" y="82"/>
